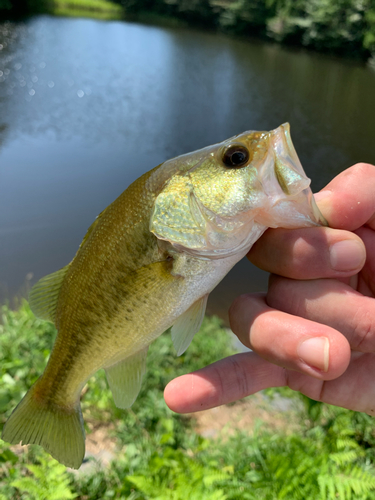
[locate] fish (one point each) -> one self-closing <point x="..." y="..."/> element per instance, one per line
<point x="148" y="263"/>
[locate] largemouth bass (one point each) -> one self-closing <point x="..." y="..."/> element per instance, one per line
<point x="147" y="263"/>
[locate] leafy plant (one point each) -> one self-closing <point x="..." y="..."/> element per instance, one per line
<point x="48" y="481"/>
<point x="25" y="343"/>
<point x="160" y="455"/>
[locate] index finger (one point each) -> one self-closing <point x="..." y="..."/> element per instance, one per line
<point x="348" y="201"/>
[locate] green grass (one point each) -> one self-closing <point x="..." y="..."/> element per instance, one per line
<point x="99" y="9"/>
<point x="159" y="454"/>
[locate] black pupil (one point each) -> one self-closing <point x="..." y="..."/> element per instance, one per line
<point x="238" y="157"/>
<point x="235" y="156"/>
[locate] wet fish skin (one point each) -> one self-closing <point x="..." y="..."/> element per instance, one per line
<point x="148" y="262"/>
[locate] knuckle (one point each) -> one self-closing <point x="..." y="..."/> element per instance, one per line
<point x="240" y="376"/>
<point x="243" y="309"/>
<point x="220" y="388"/>
<point x="285" y="294"/>
<point x="364" y="328"/>
<point x="236" y="310"/>
<point x="302" y="253"/>
<point x="238" y="304"/>
<point x="307" y="256"/>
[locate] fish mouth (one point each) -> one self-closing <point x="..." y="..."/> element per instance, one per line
<point x="298" y="211"/>
<point x="290" y="201"/>
<point x="295" y="175"/>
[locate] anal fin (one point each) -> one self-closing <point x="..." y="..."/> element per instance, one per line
<point x="125" y="378"/>
<point x="188" y="324"/>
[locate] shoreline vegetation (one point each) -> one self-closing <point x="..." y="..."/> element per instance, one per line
<point x="295" y="448"/>
<point x="96" y="9"/>
<point x="339" y="27"/>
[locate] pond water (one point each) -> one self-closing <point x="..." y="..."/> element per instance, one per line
<point x="87" y="106"/>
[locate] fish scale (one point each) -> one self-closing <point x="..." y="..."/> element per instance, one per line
<point x="148" y="263"/>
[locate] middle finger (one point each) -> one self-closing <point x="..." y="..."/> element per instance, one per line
<point x="329" y="302"/>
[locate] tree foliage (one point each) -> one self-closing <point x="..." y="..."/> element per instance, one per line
<point x="24" y="7"/>
<point x="344" y="27"/>
<point x="337" y="26"/>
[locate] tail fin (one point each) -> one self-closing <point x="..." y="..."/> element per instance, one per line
<point x="58" y="430"/>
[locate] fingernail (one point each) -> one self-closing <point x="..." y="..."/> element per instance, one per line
<point x="322" y="195"/>
<point x="315" y="352"/>
<point x="347" y="255"/>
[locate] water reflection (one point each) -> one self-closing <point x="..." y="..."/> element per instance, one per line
<point x="87" y="106"/>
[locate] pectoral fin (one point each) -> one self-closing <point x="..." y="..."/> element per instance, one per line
<point x="125" y="378"/>
<point x="44" y="295"/>
<point x="187" y="325"/>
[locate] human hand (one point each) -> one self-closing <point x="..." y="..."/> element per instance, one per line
<point x="314" y="330"/>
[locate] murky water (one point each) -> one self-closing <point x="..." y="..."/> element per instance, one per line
<point x="88" y="106"/>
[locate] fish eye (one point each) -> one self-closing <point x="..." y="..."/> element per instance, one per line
<point x="235" y="156"/>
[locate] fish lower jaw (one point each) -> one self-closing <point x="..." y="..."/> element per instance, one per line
<point x="286" y="213"/>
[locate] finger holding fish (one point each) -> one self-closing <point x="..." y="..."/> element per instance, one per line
<point x="309" y="253"/>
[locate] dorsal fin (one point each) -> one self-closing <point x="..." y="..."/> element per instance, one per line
<point x="188" y="324"/>
<point x="44" y="295"/>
